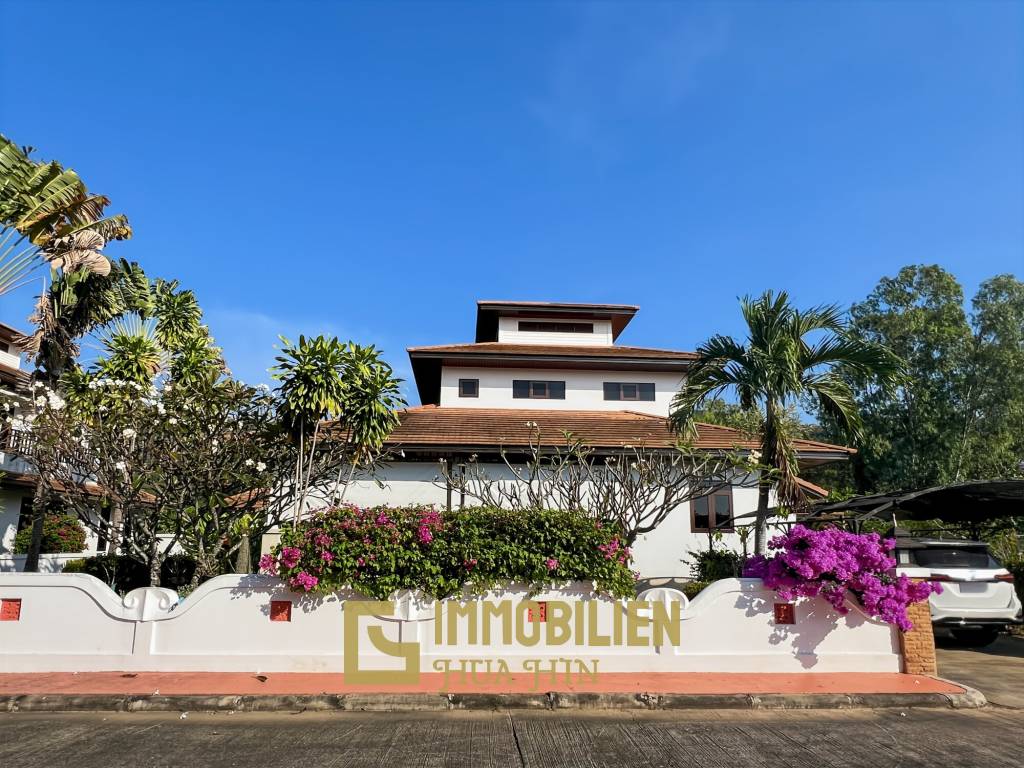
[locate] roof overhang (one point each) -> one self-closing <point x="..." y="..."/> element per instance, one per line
<point x="488" y="312"/>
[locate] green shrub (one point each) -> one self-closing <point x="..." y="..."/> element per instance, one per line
<point x="692" y="588"/>
<point x="123" y="574"/>
<point x="712" y="565"/>
<point x="382" y="550"/>
<point x="61" y="533"/>
<point x="1017" y="569"/>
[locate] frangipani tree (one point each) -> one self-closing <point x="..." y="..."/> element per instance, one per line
<point x="789" y="354"/>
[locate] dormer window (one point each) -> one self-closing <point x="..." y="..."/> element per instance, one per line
<point x="620" y="390"/>
<point x="545" y="326"/>
<point x="538" y="390"/>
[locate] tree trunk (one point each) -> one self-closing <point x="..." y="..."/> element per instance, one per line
<point x="116" y="522"/>
<point x="243" y="562"/>
<point x="154" y="562"/>
<point x="764" y="489"/>
<point x="35" y="546"/>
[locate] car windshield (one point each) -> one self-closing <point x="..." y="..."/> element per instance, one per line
<point x="954" y="557"/>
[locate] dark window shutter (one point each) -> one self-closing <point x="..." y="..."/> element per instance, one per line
<point x="646" y="392"/>
<point x="611" y="390"/>
<point x="520" y="388"/>
<point x="556" y="390"/>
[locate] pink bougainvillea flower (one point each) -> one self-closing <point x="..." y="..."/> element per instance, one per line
<point x="290" y="557"/>
<point x="551" y="563"/>
<point x="305" y="581"/>
<point x="830" y="562"/>
<point x="268" y="565"/>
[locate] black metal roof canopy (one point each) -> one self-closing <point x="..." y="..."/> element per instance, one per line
<point x="972" y="502"/>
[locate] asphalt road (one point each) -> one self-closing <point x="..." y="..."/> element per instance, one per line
<point x="870" y="738"/>
<point x="996" y="670"/>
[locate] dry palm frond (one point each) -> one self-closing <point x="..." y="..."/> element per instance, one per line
<point x="80" y="250"/>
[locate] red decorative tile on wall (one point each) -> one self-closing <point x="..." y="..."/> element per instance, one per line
<point x="280" y="610"/>
<point x="10" y="609"/>
<point x="785" y="613"/>
<point x="541" y="611"/>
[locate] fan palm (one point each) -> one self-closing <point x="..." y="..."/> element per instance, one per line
<point x="788" y="355"/>
<point x="48" y="215"/>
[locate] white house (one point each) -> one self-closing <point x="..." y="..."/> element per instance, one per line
<point x="18" y="477"/>
<point x="559" y="367"/>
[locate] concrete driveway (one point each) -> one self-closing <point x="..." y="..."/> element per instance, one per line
<point x="886" y="738"/>
<point x="997" y="671"/>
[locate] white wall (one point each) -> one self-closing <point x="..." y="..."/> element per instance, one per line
<point x="73" y="622"/>
<point x="584" y="390"/>
<point x="12" y="358"/>
<point x="509" y="333"/>
<point x="10" y="510"/>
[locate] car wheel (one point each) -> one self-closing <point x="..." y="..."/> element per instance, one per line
<point x="975" y="638"/>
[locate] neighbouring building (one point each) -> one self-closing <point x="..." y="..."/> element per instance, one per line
<point x="559" y="367"/>
<point x="17" y="476"/>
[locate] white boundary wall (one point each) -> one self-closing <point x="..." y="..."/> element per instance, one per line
<point x="74" y="622"/>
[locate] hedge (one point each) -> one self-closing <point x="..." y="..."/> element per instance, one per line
<point x="382" y="550"/>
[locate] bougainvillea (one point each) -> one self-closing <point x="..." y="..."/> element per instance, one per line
<point x="830" y="562"/>
<point x="382" y="550"/>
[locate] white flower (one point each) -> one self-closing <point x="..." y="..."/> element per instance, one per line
<point x="250" y="463"/>
<point x="55" y="400"/>
<point x="129" y="433"/>
<point x="37" y="385"/>
<point x="121" y="466"/>
<point x="40" y="401"/>
<point x="755" y="455"/>
<point x="260" y="466"/>
<point x="172" y="420"/>
<point x="160" y="409"/>
<point x="7" y="406"/>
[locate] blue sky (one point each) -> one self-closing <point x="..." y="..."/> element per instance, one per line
<point x="371" y="169"/>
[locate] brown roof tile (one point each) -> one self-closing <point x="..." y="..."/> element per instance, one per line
<point x="551" y="350"/>
<point x="432" y="425"/>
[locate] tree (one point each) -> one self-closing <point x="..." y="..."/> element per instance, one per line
<point x="959" y="413"/>
<point x="48" y="215"/>
<point x="199" y="465"/>
<point x="633" y="489"/>
<point x="343" y="389"/>
<point x="788" y="354"/>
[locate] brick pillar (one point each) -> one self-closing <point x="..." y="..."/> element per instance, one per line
<point x="918" y="645"/>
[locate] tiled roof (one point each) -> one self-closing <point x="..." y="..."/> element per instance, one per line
<point x="432" y="425"/>
<point x="551" y="350"/>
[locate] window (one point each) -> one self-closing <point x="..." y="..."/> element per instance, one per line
<point x="469" y="387"/>
<point x="537" y="326"/>
<point x="712" y="512"/>
<point x="25" y="513"/>
<point x="538" y="390"/>
<point x="617" y="390"/>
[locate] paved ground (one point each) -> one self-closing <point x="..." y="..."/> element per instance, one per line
<point x="313" y="683"/>
<point x="870" y="738"/>
<point x="997" y="671"/>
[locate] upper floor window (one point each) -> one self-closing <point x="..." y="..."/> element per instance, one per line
<point x="469" y="387"/>
<point x="544" y="326"/>
<point x="618" y="390"/>
<point x="712" y="512"/>
<point x="538" y="390"/>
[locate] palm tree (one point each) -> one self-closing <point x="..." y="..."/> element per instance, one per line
<point x="48" y="215"/>
<point x="788" y="355"/>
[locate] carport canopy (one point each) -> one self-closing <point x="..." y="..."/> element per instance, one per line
<point x="968" y="503"/>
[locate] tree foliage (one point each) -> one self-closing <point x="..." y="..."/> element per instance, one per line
<point x="789" y="354"/>
<point x="959" y="413"/>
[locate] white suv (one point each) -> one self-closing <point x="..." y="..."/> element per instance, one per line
<point x="978" y="598"/>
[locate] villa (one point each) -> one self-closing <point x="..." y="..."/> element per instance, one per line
<point x="549" y="368"/>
